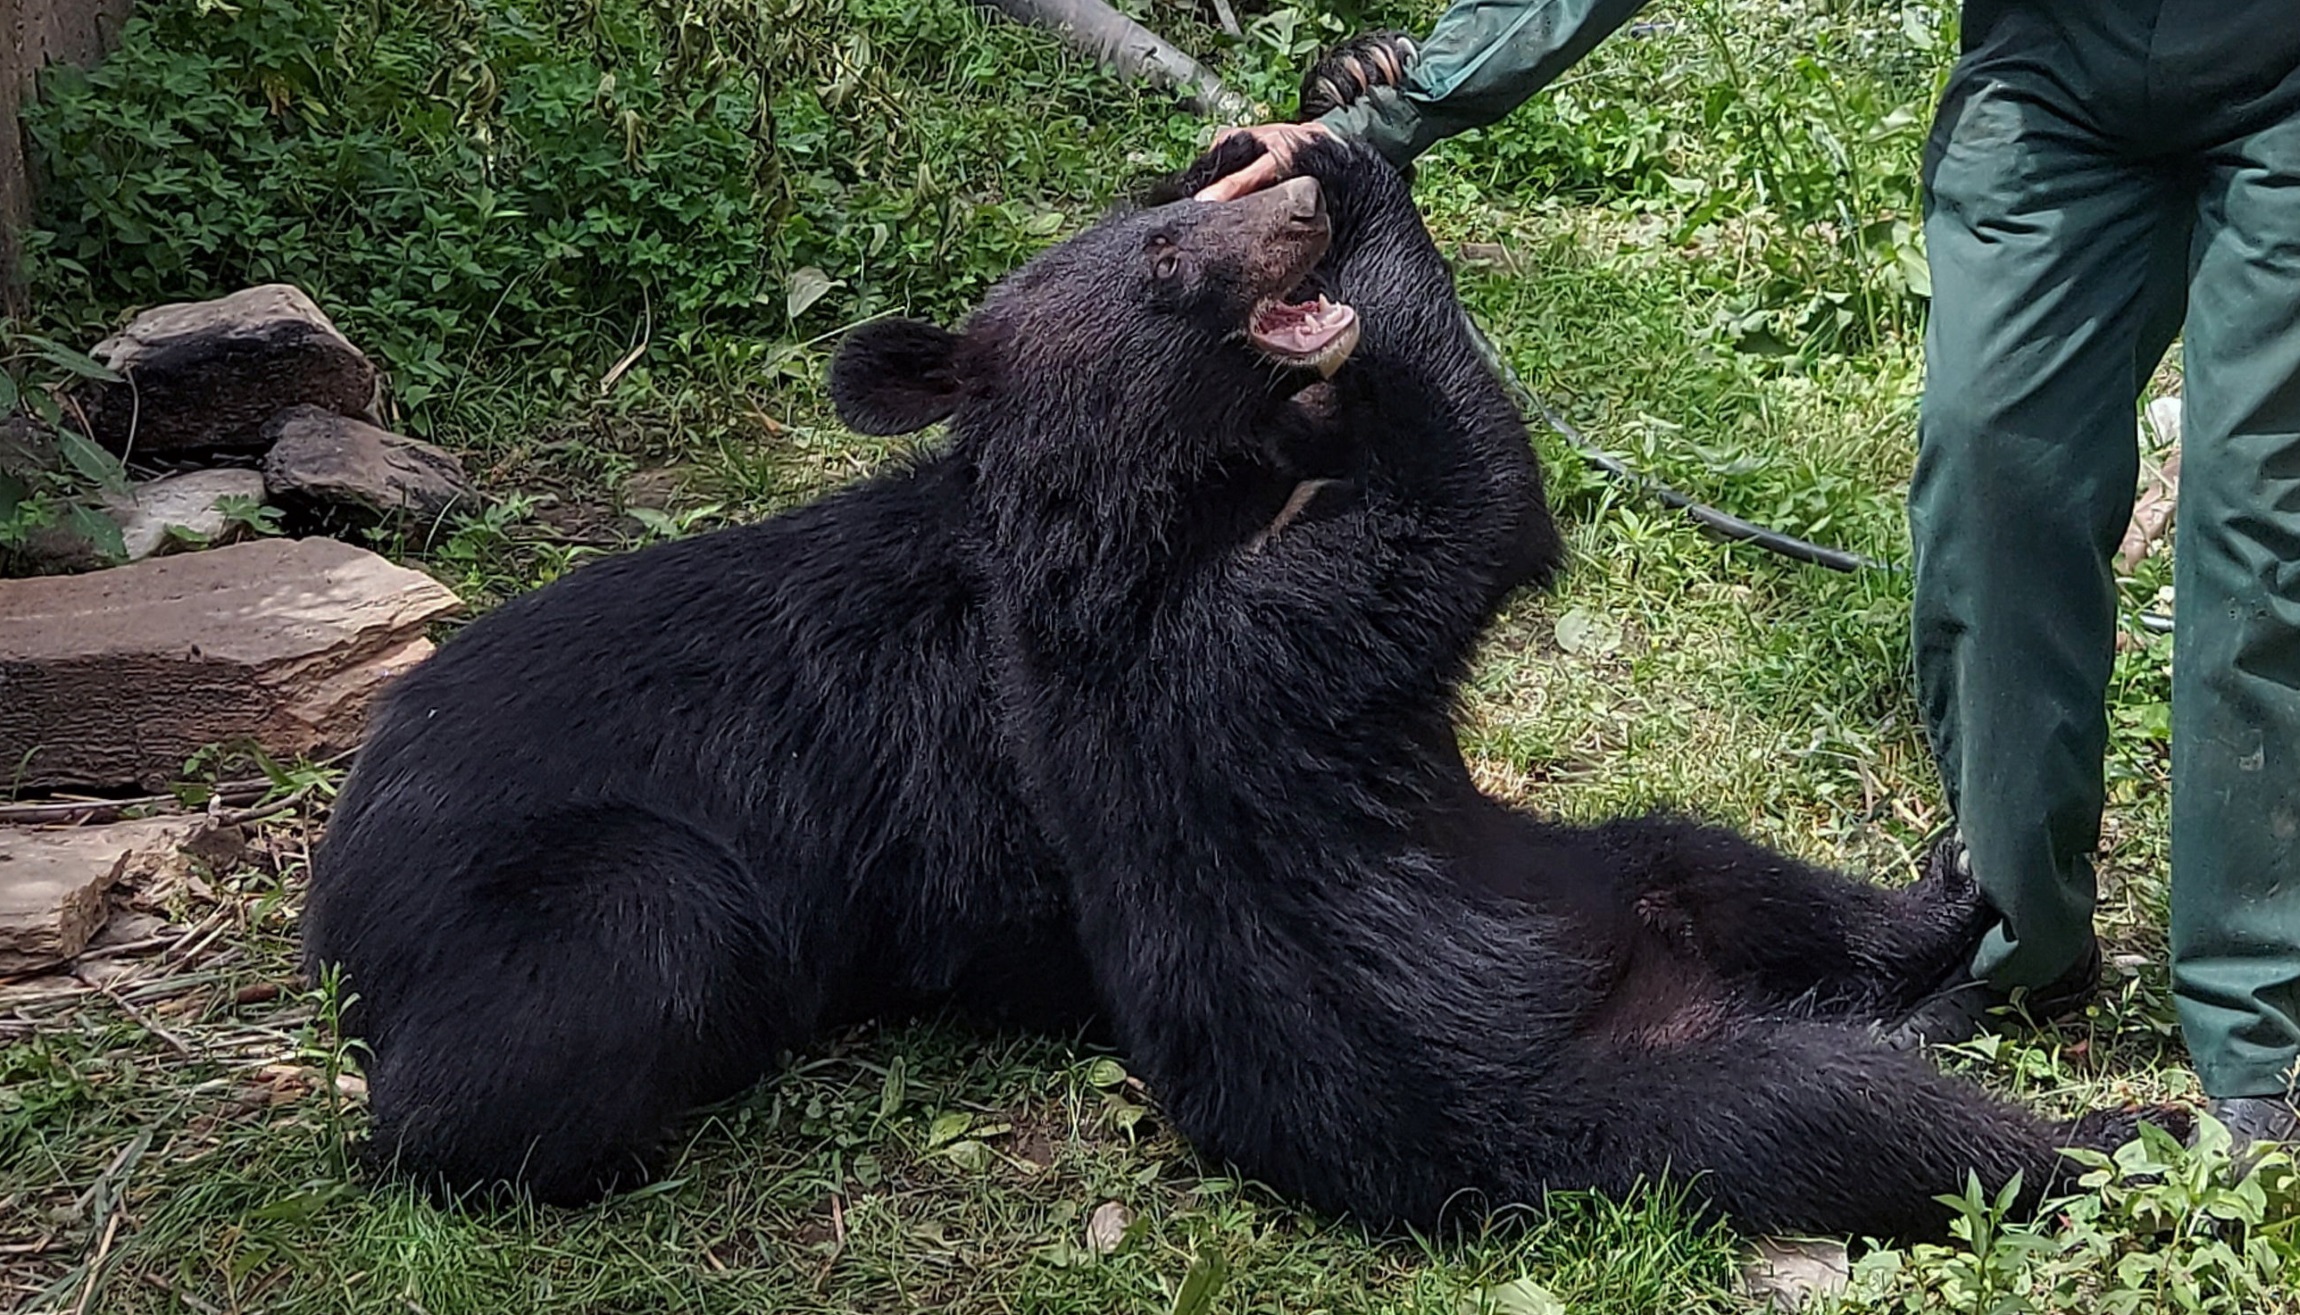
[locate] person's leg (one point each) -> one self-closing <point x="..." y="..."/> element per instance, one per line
<point x="2236" y="657"/>
<point x="2057" y="266"/>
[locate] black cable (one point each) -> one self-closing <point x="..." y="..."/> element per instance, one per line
<point x="1724" y="525"/>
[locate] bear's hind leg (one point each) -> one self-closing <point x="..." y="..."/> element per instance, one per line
<point x="593" y="988"/>
<point x="1811" y="1127"/>
<point x="1796" y="936"/>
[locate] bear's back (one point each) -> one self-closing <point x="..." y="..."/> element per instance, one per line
<point x="803" y="691"/>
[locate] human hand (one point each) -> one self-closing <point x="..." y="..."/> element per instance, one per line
<point x="1276" y="164"/>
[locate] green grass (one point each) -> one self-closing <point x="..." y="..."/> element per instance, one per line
<point x="1700" y="266"/>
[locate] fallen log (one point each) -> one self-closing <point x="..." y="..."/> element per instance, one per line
<point x="1128" y="48"/>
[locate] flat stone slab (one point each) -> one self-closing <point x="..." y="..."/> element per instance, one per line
<point x="208" y="374"/>
<point x="1792" y="1274"/>
<point x="53" y="883"/>
<point x="189" y="501"/>
<point x="115" y="677"/>
<point x="328" y="461"/>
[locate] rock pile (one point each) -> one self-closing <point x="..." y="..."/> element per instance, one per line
<point x="226" y="406"/>
<point x="111" y="679"/>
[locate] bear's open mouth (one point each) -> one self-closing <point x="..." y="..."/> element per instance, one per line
<point x="1317" y="334"/>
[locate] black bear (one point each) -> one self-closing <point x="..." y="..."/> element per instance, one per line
<point x="624" y="839"/>
<point x="1336" y="963"/>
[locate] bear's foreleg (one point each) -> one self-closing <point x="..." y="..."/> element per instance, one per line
<point x="1815" y="941"/>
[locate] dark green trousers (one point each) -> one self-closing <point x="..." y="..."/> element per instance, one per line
<point x="2103" y="174"/>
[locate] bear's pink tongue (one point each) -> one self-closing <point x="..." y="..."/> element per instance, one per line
<point x="1320" y="334"/>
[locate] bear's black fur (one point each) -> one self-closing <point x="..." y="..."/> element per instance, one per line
<point x="1170" y="631"/>
<point x="622" y="840"/>
<point x="1336" y="963"/>
<point x="1342" y="75"/>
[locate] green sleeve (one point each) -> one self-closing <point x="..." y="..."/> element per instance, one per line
<point x="1482" y="60"/>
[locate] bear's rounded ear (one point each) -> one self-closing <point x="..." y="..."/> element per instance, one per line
<point x="895" y="376"/>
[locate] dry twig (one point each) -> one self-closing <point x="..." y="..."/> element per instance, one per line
<point x="141" y="1019"/>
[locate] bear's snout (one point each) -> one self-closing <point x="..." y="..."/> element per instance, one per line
<point x="1295" y="209"/>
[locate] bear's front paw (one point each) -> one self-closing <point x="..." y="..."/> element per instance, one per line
<point x="1947" y="892"/>
<point x="1341" y="76"/>
<point x="1227" y="157"/>
<point x="2105" y="1130"/>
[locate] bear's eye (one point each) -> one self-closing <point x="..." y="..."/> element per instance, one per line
<point x="1168" y="260"/>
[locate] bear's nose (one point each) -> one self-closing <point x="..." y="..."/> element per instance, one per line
<point x="1303" y="201"/>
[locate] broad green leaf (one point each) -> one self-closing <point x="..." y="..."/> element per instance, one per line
<point x="300" y="1207"/>
<point x="1584" y="633"/>
<point x="1914" y="271"/>
<point x="890" y="1092"/>
<point x="98" y="529"/>
<point x="94" y="464"/>
<point x="1200" y="1285"/>
<point x="79" y="363"/>
<point x="1517" y="1297"/>
<point x="806" y="286"/>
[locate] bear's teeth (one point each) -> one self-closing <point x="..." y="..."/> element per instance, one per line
<point x="1318" y="333"/>
<point x="1338" y="348"/>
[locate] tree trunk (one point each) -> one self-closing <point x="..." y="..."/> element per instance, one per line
<point x="1130" y="49"/>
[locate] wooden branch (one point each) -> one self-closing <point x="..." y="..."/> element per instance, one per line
<point x="1129" y="48"/>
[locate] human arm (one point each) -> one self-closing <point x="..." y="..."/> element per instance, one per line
<point x="1483" y="59"/>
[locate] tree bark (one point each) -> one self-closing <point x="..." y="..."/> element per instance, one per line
<point x="1131" y="49"/>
